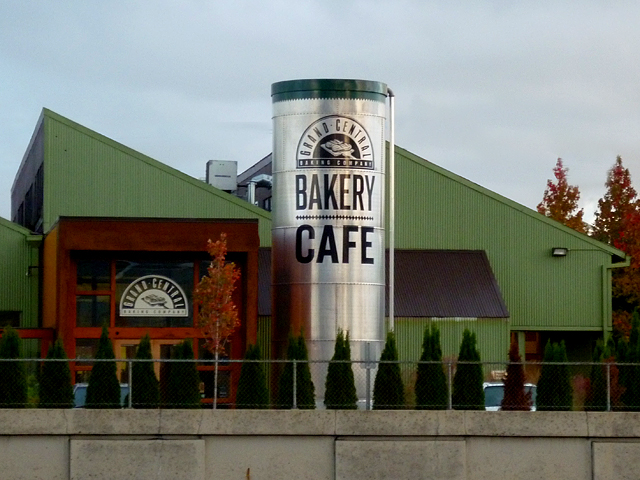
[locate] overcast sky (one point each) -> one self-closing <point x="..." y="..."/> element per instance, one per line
<point x="494" y="91"/>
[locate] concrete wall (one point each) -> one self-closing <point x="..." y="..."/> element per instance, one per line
<point x="349" y="445"/>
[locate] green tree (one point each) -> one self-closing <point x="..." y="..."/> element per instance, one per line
<point x="183" y="385"/>
<point x="103" y="390"/>
<point x="431" y="382"/>
<point x="56" y="390"/>
<point x="554" y="385"/>
<point x="252" y="386"/>
<point x="468" y="392"/>
<point x="145" y="388"/>
<point x="305" y="389"/>
<point x="565" y="390"/>
<point x="388" y="389"/>
<point x="13" y="380"/>
<point x="515" y="397"/>
<point x="340" y="388"/>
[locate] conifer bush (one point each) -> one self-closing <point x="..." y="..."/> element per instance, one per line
<point x="388" y="389"/>
<point x="103" y="390"/>
<point x="252" y="386"/>
<point x="13" y="379"/>
<point x="56" y="390"/>
<point x="468" y="392"/>
<point x="515" y="397"/>
<point x="340" y="388"/>
<point x="305" y="389"/>
<point x="145" y="388"/>
<point x="183" y="385"/>
<point x="554" y="386"/>
<point x="431" y="381"/>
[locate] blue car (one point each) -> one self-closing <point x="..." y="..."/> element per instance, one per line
<point x="80" y="394"/>
<point x="494" y="393"/>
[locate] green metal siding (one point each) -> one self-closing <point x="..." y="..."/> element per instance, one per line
<point x="492" y="336"/>
<point x="264" y="336"/>
<point x="18" y="285"/>
<point x="436" y="209"/>
<point x="87" y="174"/>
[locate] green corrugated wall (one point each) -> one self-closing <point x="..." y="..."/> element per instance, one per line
<point x="19" y="292"/>
<point x="436" y="209"/>
<point x="87" y="174"/>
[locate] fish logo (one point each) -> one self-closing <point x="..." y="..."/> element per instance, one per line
<point x="335" y="141"/>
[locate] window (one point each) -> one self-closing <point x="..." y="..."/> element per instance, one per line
<point x="154" y="294"/>
<point x="145" y="292"/>
<point x="11" y="318"/>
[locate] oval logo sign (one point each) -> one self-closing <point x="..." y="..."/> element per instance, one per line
<point x="153" y="296"/>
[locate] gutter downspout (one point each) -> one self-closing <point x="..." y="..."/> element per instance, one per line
<point x="606" y="293"/>
<point x="392" y="209"/>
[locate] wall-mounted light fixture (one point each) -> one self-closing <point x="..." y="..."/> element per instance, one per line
<point x="559" y="252"/>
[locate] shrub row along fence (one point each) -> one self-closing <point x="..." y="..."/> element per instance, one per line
<point x="135" y="383"/>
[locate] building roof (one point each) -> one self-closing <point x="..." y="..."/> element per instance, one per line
<point x="429" y="283"/>
<point x="446" y="283"/>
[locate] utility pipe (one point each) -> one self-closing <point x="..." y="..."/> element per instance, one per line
<point x="392" y="209"/>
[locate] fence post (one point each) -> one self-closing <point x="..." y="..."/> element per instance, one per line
<point x="295" y="405"/>
<point x="608" y="386"/>
<point x="130" y="384"/>
<point x="215" y="384"/>
<point x="368" y="390"/>
<point x="450" y="384"/>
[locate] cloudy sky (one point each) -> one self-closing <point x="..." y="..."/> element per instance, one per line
<point x="494" y="91"/>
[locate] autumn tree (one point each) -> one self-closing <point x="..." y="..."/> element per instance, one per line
<point x="617" y="223"/>
<point x="616" y="207"/>
<point x="560" y="200"/>
<point x="515" y="396"/>
<point x="217" y="314"/>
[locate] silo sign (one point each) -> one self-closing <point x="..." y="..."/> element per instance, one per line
<point x="328" y="252"/>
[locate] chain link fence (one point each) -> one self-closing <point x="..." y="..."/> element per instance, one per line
<point x="580" y="386"/>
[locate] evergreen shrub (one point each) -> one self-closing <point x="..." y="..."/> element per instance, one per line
<point x="388" y="389"/>
<point x="13" y="380"/>
<point x="554" y="386"/>
<point x="468" y="392"/>
<point x="145" y="388"/>
<point x="340" y="388"/>
<point x="431" y="381"/>
<point x="252" y="386"/>
<point x="103" y="390"/>
<point x="55" y="389"/>
<point x="183" y="385"/>
<point x="305" y="389"/>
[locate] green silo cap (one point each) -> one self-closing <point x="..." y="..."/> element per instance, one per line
<point x="328" y="88"/>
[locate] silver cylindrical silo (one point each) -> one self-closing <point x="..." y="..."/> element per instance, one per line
<point x="328" y="252"/>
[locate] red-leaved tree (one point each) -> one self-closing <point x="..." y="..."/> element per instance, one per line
<point x="560" y="200"/>
<point x="217" y="314"/>
<point x="515" y="397"/>
<point x="618" y="224"/>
